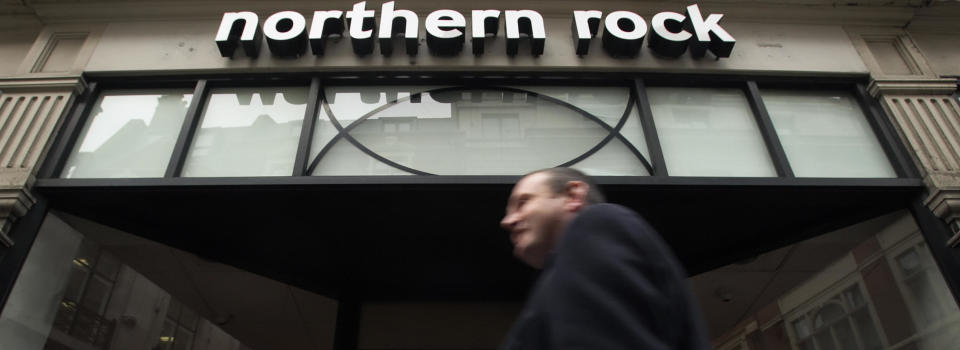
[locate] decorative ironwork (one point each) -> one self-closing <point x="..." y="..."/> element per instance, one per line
<point x="343" y="132"/>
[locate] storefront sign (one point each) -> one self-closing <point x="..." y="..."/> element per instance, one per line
<point x="286" y="32"/>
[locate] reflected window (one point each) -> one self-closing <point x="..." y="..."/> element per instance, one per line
<point x="476" y="131"/>
<point x="82" y="309"/>
<point x="248" y="132"/>
<point x="708" y="132"/>
<point x="129" y="134"/>
<point x="842" y="322"/>
<point x="934" y="311"/>
<point x="825" y="134"/>
<point x="179" y="328"/>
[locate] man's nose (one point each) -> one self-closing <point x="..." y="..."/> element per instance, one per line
<point x="507" y="222"/>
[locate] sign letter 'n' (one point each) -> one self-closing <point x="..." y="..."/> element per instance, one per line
<point x="243" y="27"/>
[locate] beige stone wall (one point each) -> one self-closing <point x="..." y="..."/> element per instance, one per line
<point x="189" y="46"/>
<point x="14" y="45"/>
<point x="941" y="50"/>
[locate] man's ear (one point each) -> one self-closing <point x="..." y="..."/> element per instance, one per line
<point x="576" y="193"/>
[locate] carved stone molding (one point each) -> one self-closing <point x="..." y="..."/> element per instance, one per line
<point x="30" y="110"/>
<point x="927" y="118"/>
<point x="21" y="85"/>
<point x="930" y="126"/>
<point x="14" y="203"/>
<point x="945" y="203"/>
<point x="921" y="86"/>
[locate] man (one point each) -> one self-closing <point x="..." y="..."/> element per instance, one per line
<point x="608" y="280"/>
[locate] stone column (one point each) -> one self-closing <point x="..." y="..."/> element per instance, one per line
<point x="928" y="118"/>
<point x="33" y="101"/>
<point x="30" y="112"/>
<point x="922" y="107"/>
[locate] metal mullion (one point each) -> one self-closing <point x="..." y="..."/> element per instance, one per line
<point x="649" y="129"/>
<point x="347" y="328"/>
<point x="188" y="129"/>
<point x="881" y="127"/>
<point x="935" y="234"/>
<point x="769" y="133"/>
<point x="306" y="130"/>
<point x="71" y="132"/>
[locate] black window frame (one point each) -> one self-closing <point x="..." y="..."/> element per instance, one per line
<point x="637" y="83"/>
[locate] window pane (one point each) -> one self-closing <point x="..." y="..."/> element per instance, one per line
<point x="801" y="328"/>
<point x="65" y="314"/>
<point x="867" y="329"/>
<point x="188" y="319"/>
<point x="828" y="314"/>
<point x="909" y="262"/>
<point x="86" y="326"/>
<point x="845" y="336"/>
<point x="922" y="290"/>
<point x="166" y="336"/>
<point x="75" y="284"/>
<point x="129" y="134"/>
<point x="248" y="132"/>
<point x="708" y="132"/>
<point x="86" y="255"/>
<point x="825" y="134"/>
<point x="108" y="266"/>
<point x="98" y="292"/>
<point x="173" y="309"/>
<point x="824" y="340"/>
<point x="184" y="340"/>
<point x="854" y="297"/>
<point x="614" y="159"/>
<point x="606" y="103"/>
<point x="468" y="131"/>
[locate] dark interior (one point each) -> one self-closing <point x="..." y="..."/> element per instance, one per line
<point x="438" y="238"/>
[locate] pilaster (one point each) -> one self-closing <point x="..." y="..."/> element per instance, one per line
<point x="30" y="111"/>
<point x="924" y="110"/>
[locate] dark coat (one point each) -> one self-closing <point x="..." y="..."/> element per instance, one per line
<point x="612" y="284"/>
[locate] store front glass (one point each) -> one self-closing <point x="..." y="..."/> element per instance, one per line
<point x="872" y="285"/>
<point x="246" y="216"/>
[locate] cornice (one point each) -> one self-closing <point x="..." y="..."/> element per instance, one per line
<point x="76" y="84"/>
<point x="813" y="12"/>
<point x="912" y="86"/>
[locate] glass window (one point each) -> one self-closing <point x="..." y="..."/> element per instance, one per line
<point x="179" y="328"/>
<point x="842" y="322"/>
<point x="474" y="131"/>
<point x="166" y="336"/>
<point x="708" y="132"/>
<point x="248" y="132"/>
<point x="825" y="134"/>
<point x="98" y="292"/>
<point x="63" y="268"/>
<point x="934" y="310"/>
<point x="129" y="134"/>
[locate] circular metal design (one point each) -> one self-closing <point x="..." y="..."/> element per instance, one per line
<point x="343" y="132"/>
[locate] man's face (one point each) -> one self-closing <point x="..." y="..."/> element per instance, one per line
<point x="536" y="216"/>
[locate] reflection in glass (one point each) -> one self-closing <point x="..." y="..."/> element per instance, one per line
<point x="183" y="340"/>
<point x="129" y="134"/>
<point x="825" y="134"/>
<point x="98" y="290"/>
<point x="468" y="131"/>
<point x="841" y="322"/>
<point x="248" y="132"/>
<point x="708" y="132"/>
<point x="605" y="102"/>
<point x="612" y="160"/>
